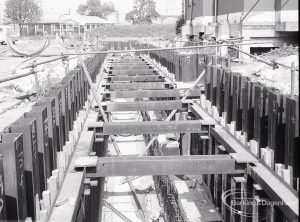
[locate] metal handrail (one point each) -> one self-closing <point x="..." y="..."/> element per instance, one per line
<point x="10" y="78"/>
<point x="156" y="49"/>
<point x="6" y="79"/>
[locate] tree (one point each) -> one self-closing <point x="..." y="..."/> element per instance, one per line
<point x="143" y="12"/>
<point x="95" y="8"/>
<point x="179" y="25"/>
<point x="22" y="12"/>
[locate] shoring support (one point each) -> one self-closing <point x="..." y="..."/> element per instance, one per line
<point x="163" y="165"/>
<point x="139" y="128"/>
<point x="136" y="86"/>
<point x="152" y="93"/>
<point x="149" y="78"/>
<point x="103" y="114"/>
<point x="144" y="105"/>
<point x="174" y="111"/>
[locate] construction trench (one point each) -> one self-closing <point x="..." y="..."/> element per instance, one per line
<point x="120" y="139"/>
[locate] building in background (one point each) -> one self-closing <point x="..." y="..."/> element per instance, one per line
<point x="273" y="20"/>
<point x="76" y="24"/>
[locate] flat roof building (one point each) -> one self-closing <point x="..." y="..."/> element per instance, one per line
<point x="76" y="24"/>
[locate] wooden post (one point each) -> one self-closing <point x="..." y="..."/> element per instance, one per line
<point x="229" y="59"/>
<point x="293" y="80"/>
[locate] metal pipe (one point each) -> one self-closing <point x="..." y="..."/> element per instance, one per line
<point x="44" y="62"/>
<point x="264" y="61"/>
<point x="16" y="77"/>
<point x="28" y="73"/>
<point x="250" y="11"/>
<point x="154" y="49"/>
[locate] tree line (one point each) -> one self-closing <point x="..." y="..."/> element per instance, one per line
<point x="23" y="12"/>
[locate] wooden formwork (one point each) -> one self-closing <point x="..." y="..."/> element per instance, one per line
<point x="33" y="147"/>
<point x="262" y="119"/>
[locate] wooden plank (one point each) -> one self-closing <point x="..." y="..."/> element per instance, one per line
<point x="260" y="117"/>
<point x="276" y="131"/>
<point x="49" y="102"/>
<point x="292" y="136"/>
<point x="146" y="78"/>
<point x="236" y="98"/>
<point x="201" y="114"/>
<point x="57" y="94"/>
<point x="128" y="67"/>
<point x="163" y="165"/>
<point x="248" y="109"/>
<point x="27" y="127"/>
<point x="40" y="114"/>
<point x="144" y="106"/>
<point x="234" y="147"/>
<point x="279" y="192"/>
<point x="132" y="72"/>
<point x="153" y="93"/>
<point x="11" y="148"/>
<point x="157" y="127"/>
<point x="228" y="97"/>
<point x="220" y="90"/>
<point x="213" y="85"/>
<point x="135" y="86"/>
<point x="208" y="73"/>
<point x="2" y="194"/>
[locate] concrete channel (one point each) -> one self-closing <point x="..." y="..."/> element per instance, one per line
<point x="153" y="149"/>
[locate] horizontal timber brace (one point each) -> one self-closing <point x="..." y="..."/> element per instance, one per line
<point x="127" y="66"/>
<point x="133" y="67"/>
<point x="276" y="190"/>
<point x="132" y="72"/>
<point x="155" y="127"/>
<point x="149" y="78"/>
<point x="162" y="165"/>
<point x="127" y="60"/>
<point x="152" y="93"/>
<point x="144" y="105"/>
<point x="137" y="86"/>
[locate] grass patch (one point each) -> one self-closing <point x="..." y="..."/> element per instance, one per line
<point x="163" y="31"/>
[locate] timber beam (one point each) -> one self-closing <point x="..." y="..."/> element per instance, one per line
<point x="160" y="165"/>
<point x="146" y="78"/>
<point x="234" y="147"/>
<point x="144" y="106"/>
<point x="277" y="190"/>
<point x="171" y="93"/>
<point x="137" y="86"/>
<point x="199" y="113"/>
<point x="127" y="66"/>
<point x="155" y="127"/>
<point x="271" y="183"/>
<point x="141" y="72"/>
<point x="133" y="67"/>
<point x="127" y="61"/>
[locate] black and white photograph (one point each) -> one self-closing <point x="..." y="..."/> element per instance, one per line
<point x="149" y="111"/>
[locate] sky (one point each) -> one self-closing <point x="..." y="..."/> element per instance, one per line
<point x="57" y="7"/>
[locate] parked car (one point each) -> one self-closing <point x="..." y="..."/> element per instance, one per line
<point x="6" y="31"/>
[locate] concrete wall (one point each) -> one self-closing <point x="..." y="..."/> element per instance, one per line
<point x="276" y="15"/>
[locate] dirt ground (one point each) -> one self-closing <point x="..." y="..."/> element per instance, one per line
<point x="51" y="73"/>
<point x="48" y="75"/>
<point x="279" y="78"/>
